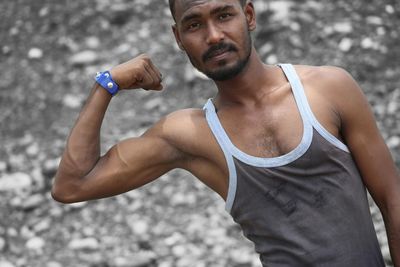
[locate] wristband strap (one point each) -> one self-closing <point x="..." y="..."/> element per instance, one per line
<point x="106" y="81"/>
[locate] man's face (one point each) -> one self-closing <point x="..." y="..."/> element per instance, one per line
<point x="215" y="34"/>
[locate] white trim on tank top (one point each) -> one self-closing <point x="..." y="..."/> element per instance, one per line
<point x="230" y="150"/>
<point x="228" y="157"/>
<point x="291" y="74"/>
<point x="226" y="143"/>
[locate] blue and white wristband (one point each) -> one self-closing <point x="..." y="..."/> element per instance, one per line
<point x="106" y="81"/>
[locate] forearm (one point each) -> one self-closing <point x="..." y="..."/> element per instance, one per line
<point x="392" y="224"/>
<point x="82" y="150"/>
<point x="83" y="144"/>
<point x="77" y="178"/>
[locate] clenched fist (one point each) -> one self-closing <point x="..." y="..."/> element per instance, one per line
<point x="138" y="72"/>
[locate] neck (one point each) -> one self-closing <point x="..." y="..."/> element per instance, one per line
<point x="254" y="81"/>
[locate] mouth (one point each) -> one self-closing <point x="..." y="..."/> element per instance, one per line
<point x="218" y="52"/>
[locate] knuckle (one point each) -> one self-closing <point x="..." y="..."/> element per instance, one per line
<point x="145" y="57"/>
<point x="139" y="77"/>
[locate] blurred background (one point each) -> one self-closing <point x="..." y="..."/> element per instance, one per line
<point x="49" y="53"/>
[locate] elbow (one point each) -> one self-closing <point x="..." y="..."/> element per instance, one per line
<point x="57" y="196"/>
<point x="61" y="196"/>
<point x="63" y="193"/>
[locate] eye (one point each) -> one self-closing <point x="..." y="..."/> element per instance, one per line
<point x="224" y="16"/>
<point x="193" y="26"/>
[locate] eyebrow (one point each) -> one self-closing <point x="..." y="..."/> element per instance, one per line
<point x="190" y="17"/>
<point x="221" y="9"/>
<point x="195" y="15"/>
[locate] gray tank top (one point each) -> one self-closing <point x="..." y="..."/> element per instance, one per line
<point x="308" y="207"/>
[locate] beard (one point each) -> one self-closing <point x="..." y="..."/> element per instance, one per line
<point x="225" y="72"/>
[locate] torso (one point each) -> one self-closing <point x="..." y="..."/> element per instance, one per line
<point x="270" y="128"/>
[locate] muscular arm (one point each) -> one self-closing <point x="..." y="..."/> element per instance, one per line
<point x="371" y="154"/>
<point x="83" y="174"/>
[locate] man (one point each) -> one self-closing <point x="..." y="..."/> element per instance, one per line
<point x="290" y="149"/>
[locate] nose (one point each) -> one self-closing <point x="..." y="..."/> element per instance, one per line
<point x="214" y="34"/>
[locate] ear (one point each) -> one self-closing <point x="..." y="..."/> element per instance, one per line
<point x="250" y="15"/>
<point x="177" y="37"/>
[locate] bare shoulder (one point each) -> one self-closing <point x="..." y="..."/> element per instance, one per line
<point x="173" y="124"/>
<point x="327" y="78"/>
<point x="328" y="75"/>
<point x="332" y="94"/>
<point x="182" y="129"/>
<point x="334" y="84"/>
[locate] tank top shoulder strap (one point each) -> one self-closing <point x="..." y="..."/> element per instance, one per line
<point x="216" y="127"/>
<point x="304" y="107"/>
<point x="223" y="141"/>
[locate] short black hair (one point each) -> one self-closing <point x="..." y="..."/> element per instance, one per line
<point x="172" y="6"/>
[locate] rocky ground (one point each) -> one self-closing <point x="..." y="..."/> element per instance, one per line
<point x="50" y="51"/>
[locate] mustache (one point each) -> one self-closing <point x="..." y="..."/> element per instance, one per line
<point x="218" y="48"/>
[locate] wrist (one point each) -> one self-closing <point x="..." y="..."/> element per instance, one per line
<point x="100" y="91"/>
<point x="105" y="80"/>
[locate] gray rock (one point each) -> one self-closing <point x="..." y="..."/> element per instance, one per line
<point x="3" y="166"/>
<point x="12" y="232"/>
<point x="6" y="50"/>
<point x="4" y="263"/>
<point x="38" y="178"/>
<point x="44" y="11"/>
<point x="154" y="103"/>
<point x="389" y="9"/>
<point x="272" y="59"/>
<point x="50" y="166"/>
<point x="281" y="9"/>
<point x="35" y="244"/>
<point x="33" y="149"/>
<point x="119" y="13"/>
<point x="187" y="260"/>
<point x="35" y="53"/>
<point x="33" y="201"/>
<point x="16" y="202"/>
<point x="241" y="257"/>
<point x="17" y="161"/>
<point x="296" y="41"/>
<point x="26" y="233"/>
<point x="368" y="43"/>
<point x="41" y="226"/>
<point x="167" y="264"/>
<point x="84" y="58"/>
<point x="72" y="101"/>
<point x="343" y="27"/>
<point x="93" y="42"/>
<point x="179" y="251"/>
<point x="345" y="44"/>
<point x="191" y="74"/>
<point x="121" y="262"/>
<point x="393" y="106"/>
<point x="139" y="227"/>
<point x="140" y="259"/>
<point x="86" y="244"/>
<point x="53" y="264"/>
<point x="15" y="182"/>
<point x="77" y="205"/>
<point x="2" y="244"/>
<point x="393" y="142"/>
<point x="266" y="49"/>
<point x="374" y="20"/>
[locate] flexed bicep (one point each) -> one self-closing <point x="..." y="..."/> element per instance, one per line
<point x="126" y="166"/>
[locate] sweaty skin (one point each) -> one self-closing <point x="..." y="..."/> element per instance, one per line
<point x="253" y="106"/>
